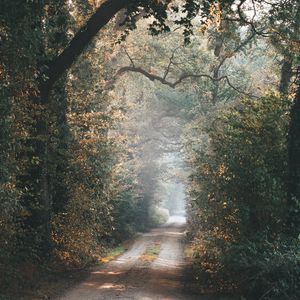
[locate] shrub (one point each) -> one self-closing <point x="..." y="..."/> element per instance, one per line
<point x="237" y="201"/>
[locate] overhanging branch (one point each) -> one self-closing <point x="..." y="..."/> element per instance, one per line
<point x="182" y="78"/>
<point x="83" y="37"/>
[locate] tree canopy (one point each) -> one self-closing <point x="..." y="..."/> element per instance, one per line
<point x="116" y="113"/>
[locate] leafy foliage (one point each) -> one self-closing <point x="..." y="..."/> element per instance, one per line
<point x="238" y="193"/>
<point x="58" y="148"/>
<point x="70" y="183"/>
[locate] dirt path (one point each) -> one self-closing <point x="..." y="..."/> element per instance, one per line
<point x="131" y="277"/>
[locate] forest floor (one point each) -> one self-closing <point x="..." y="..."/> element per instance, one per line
<point x="153" y="268"/>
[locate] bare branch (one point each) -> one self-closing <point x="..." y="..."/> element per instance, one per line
<point x="241" y="18"/>
<point x="150" y="76"/>
<point x="236" y="50"/>
<point x="170" y="62"/>
<point x="131" y="60"/>
<point x="183" y="77"/>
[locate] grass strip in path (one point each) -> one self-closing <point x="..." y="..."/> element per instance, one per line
<point x="151" y="253"/>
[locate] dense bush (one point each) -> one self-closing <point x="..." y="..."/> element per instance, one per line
<point x="58" y="148"/>
<point x="238" y="193"/>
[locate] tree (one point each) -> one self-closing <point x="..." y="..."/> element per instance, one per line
<point x="51" y="71"/>
<point x="38" y="66"/>
<point x="293" y="219"/>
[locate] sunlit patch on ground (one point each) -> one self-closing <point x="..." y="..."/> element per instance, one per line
<point x="152" y="268"/>
<point x="151" y="253"/>
<point x="106" y="273"/>
<point x="112" y="254"/>
<point x="117" y="287"/>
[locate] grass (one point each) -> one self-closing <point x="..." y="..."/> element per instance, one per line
<point x="112" y="254"/>
<point x="151" y="253"/>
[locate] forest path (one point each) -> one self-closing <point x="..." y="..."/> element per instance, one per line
<point x="133" y="276"/>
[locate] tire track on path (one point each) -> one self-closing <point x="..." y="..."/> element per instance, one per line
<point x="129" y="277"/>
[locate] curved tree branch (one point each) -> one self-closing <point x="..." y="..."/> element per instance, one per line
<point x="182" y="78"/>
<point x="83" y="37"/>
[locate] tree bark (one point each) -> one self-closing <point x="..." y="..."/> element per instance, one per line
<point x="40" y="198"/>
<point x="216" y="72"/>
<point x="36" y="180"/>
<point x="293" y="220"/>
<point x="286" y="75"/>
<point x="98" y="20"/>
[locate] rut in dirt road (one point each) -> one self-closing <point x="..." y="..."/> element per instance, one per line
<point x="130" y="277"/>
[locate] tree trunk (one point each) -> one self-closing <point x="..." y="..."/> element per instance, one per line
<point x="60" y="151"/>
<point x="35" y="180"/>
<point x="286" y="75"/>
<point x="83" y="37"/>
<point x="216" y="71"/>
<point x="38" y="199"/>
<point x="293" y="220"/>
<point x="42" y="173"/>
